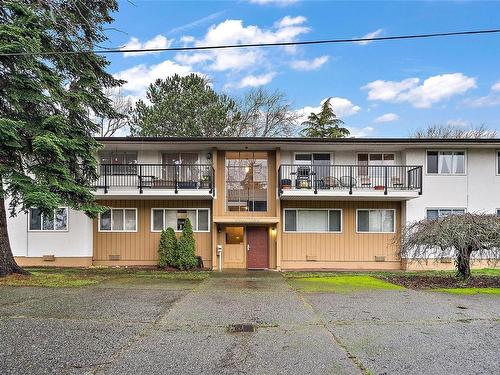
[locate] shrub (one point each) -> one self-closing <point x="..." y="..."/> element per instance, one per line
<point x="168" y="248"/>
<point x="186" y="248"/>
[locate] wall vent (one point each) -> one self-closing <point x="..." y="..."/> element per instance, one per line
<point x="48" y="258"/>
<point x="114" y="257"/>
<point x="379" y="258"/>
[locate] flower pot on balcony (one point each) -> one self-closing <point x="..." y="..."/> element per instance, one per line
<point x="379" y="187"/>
<point x="186" y="185"/>
<point x="286" y="183"/>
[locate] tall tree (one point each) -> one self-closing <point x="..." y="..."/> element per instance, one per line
<point x="109" y="126"/>
<point x="46" y="145"/>
<point x="266" y="114"/>
<point x="184" y="106"/>
<point x="324" y="124"/>
<point x="455" y="131"/>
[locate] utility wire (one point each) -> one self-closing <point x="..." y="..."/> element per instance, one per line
<point x="252" y="45"/>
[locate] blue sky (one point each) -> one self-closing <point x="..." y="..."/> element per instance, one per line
<point x="380" y="89"/>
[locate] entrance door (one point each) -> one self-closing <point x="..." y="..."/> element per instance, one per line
<point x="257" y="247"/>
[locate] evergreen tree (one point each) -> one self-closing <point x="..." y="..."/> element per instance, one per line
<point x="184" y="106"/>
<point x="324" y="124"/>
<point x="186" y="248"/>
<point x="46" y="145"/>
<point x="168" y="248"/>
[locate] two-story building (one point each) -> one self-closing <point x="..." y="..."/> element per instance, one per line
<point x="272" y="203"/>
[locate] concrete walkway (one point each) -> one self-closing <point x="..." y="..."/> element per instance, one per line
<point x="155" y="326"/>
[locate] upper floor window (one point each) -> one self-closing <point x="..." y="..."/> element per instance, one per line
<point x="304" y="220"/>
<point x="446" y="162"/>
<point x="181" y="158"/>
<point x="246" y="181"/>
<point x="376" y="221"/>
<point x="435" y="213"/>
<point x="498" y="162"/>
<point x="118" y="220"/>
<point x="58" y="221"/>
<point x="314" y="158"/>
<point x="498" y="212"/>
<point x="163" y="218"/>
<point x="373" y="158"/>
<point x="124" y="162"/>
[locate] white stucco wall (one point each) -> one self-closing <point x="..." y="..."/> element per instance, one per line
<point x="75" y="242"/>
<point x="476" y="191"/>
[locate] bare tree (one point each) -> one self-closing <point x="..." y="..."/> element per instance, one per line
<point x="266" y="114"/>
<point x="122" y="105"/>
<point x="456" y="236"/>
<point x="454" y="131"/>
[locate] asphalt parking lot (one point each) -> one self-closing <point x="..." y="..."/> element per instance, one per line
<point x="173" y="326"/>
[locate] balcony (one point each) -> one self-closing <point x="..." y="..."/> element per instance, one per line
<point x="195" y="180"/>
<point x="350" y="181"/>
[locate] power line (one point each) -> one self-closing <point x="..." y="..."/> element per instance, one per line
<point x="252" y="45"/>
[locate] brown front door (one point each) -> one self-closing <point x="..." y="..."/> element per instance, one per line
<point x="257" y="247"/>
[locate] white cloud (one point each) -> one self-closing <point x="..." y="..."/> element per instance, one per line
<point x="235" y="32"/>
<point x="253" y="80"/>
<point x="496" y="86"/>
<point x="373" y="34"/>
<point x="190" y="59"/>
<point x="277" y="2"/>
<point x="433" y="90"/>
<point x="458" y="122"/>
<point x="309" y="64"/>
<point x="387" y="117"/>
<point x="158" y="41"/>
<point x="360" y="132"/>
<point x="197" y="22"/>
<point x="342" y="107"/>
<point x="140" y="76"/>
<point x="290" y="21"/>
<point x="187" y="39"/>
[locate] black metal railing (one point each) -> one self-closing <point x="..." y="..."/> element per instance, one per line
<point x="382" y="178"/>
<point x="156" y="176"/>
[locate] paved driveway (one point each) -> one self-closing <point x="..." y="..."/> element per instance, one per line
<point x="165" y="326"/>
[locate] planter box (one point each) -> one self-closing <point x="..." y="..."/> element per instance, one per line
<point x="187" y="185"/>
<point x="379" y="187"/>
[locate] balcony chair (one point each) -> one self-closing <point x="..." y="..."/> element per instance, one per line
<point x="328" y="182"/>
<point x="396" y="182"/>
<point x="303" y="179"/>
<point x="347" y="181"/>
<point x="365" y="181"/>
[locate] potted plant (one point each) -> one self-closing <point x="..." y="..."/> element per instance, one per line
<point x="286" y="183"/>
<point x="205" y="182"/>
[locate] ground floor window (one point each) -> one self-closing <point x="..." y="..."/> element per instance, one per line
<point x="434" y="213"/>
<point x="57" y="221"/>
<point x="118" y="220"/>
<point x="163" y="218"/>
<point x="304" y="220"/>
<point x="375" y="221"/>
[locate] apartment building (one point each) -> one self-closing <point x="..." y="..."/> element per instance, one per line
<point x="271" y="203"/>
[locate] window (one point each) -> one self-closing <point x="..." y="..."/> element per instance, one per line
<point x="124" y="162"/>
<point x="435" y="213"/>
<point x="321" y="164"/>
<point x="446" y="162"/>
<point x="163" y="218"/>
<point x="235" y="235"/>
<point x="304" y="220"/>
<point x="246" y="181"/>
<point x="366" y="159"/>
<point x="376" y="221"/>
<point x="498" y="162"/>
<point x="498" y="212"/>
<point x="58" y="221"/>
<point x="118" y="220"/>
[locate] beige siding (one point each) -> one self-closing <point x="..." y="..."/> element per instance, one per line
<point x="323" y="250"/>
<point x="142" y="246"/>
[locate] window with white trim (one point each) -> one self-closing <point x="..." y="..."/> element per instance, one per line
<point x="118" y="220"/>
<point x="435" y="213"/>
<point x="58" y="221"/>
<point x="376" y="221"/>
<point x="163" y="218"/>
<point x="304" y="220"/>
<point x="446" y="162"/>
<point x="498" y="162"/>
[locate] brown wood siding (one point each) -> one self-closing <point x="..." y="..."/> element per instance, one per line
<point x="143" y="244"/>
<point x="347" y="246"/>
<point x="220" y="183"/>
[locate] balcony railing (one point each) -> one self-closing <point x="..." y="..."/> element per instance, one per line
<point x="383" y="178"/>
<point x="156" y="176"/>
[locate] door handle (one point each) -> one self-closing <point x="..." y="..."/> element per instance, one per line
<point x="248" y="247"/>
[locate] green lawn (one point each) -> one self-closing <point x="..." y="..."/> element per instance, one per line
<point x="79" y="277"/>
<point x="341" y="284"/>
